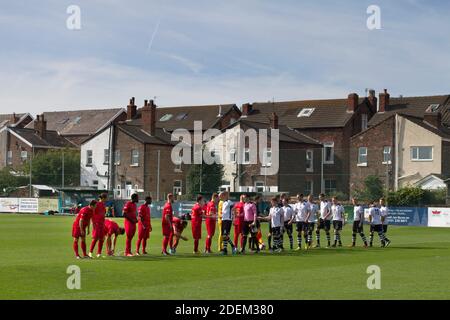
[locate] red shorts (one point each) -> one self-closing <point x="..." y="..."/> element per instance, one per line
<point x="210" y="227"/>
<point x="98" y="231"/>
<point x="130" y="229"/>
<point x="238" y="227"/>
<point x="143" y="233"/>
<point x="166" y="231"/>
<point x="76" y="230"/>
<point x="197" y="229"/>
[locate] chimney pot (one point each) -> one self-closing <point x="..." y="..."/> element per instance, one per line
<point x="352" y="102"/>
<point x="384" y="101"/>
<point x="247" y="108"/>
<point x="131" y="110"/>
<point x="149" y="117"/>
<point x="41" y="126"/>
<point x="274" y="121"/>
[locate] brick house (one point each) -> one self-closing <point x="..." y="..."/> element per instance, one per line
<point x="299" y="159"/>
<point x="330" y="122"/>
<point x="21" y="144"/>
<point x="407" y="141"/>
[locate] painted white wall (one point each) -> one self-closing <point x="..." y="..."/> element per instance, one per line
<point x="413" y="135"/>
<point x="88" y="174"/>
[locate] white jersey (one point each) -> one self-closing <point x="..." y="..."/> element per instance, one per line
<point x="338" y="212"/>
<point x="301" y="211"/>
<point x="325" y="209"/>
<point x="375" y="213"/>
<point x="313" y="208"/>
<point x="358" y="213"/>
<point x="288" y="213"/>
<point x="276" y="217"/>
<point x="226" y="210"/>
<point x="385" y="214"/>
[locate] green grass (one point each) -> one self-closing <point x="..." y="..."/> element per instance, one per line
<point x="35" y="252"/>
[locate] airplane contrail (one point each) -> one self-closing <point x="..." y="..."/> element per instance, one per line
<point x="153" y="36"/>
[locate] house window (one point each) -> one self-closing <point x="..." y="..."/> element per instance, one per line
<point x="181" y="116"/>
<point x="309" y="161"/>
<point x="259" y="186"/>
<point x="233" y="156"/>
<point x="422" y="153"/>
<point x="95" y="182"/>
<point x="305" y="112"/>
<point x="364" y="121"/>
<point x="267" y="157"/>
<point x="9" y="157"/>
<point x="330" y="186"/>
<point x="178" y="167"/>
<point x="135" y="157"/>
<point x="328" y="150"/>
<point x="117" y="157"/>
<point x="246" y="156"/>
<point x="166" y="117"/>
<point x="24" y="156"/>
<point x="308" y="187"/>
<point x="362" y="156"/>
<point x="106" y="156"/>
<point x="387" y="155"/>
<point x="177" y="187"/>
<point x="89" y="158"/>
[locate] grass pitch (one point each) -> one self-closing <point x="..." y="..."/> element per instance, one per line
<point x="35" y="252"/>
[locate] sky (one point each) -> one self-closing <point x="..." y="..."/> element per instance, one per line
<point x="216" y="52"/>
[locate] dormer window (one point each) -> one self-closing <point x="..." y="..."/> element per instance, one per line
<point x="166" y="117"/>
<point x="305" y="112"/>
<point x="433" y="107"/>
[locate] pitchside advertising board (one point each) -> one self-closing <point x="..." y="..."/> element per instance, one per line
<point x="405" y="216"/>
<point x="439" y="217"/>
<point x="27" y="205"/>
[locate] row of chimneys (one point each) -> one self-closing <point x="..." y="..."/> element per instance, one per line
<point x="148" y="115"/>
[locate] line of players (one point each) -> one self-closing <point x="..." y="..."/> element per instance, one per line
<point x="221" y="212"/>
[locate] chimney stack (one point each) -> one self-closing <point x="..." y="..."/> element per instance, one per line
<point x="352" y="102"/>
<point x="373" y="101"/>
<point x="149" y="117"/>
<point x="131" y="110"/>
<point x="247" y="108"/>
<point x="14" y="118"/>
<point x="274" y="121"/>
<point x="384" y="101"/>
<point x="41" y="126"/>
<point x="433" y="118"/>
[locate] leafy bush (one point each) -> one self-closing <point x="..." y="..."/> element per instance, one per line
<point x="414" y="196"/>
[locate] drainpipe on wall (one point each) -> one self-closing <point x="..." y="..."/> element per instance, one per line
<point x="157" y="175"/>
<point x="396" y="127"/>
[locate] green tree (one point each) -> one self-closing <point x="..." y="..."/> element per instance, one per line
<point x="373" y="189"/>
<point x="9" y="181"/>
<point x="47" y="167"/>
<point x="210" y="176"/>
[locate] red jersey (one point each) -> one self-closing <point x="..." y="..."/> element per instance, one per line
<point x="111" y="227"/>
<point x="86" y="214"/>
<point x="211" y="211"/>
<point x="167" y="212"/>
<point x="197" y="213"/>
<point x="177" y="224"/>
<point x="129" y="211"/>
<point x="239" y="217"/>
<point x="98" y="216"/>
<point x="144" y="215"/>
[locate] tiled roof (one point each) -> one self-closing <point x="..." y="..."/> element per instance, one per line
<point x="135" y="131"/>
<point x="414" y="106"/>
<point x="52" y="138"/>
<point x="5" y="119"/>
<point x="81" y="122"/>
<point x="327" y="113"/>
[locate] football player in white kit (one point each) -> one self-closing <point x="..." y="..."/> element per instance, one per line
<point x="358" y="221"/>
<point x="384" y="213"/>
<point x="276" y="219"/>
<point x="376" y="220"/>
<point x="338" y="220"/>
<point x="301" y="211"/>
<point x="313" y="210"/>
<point x="324" y="220"/>
<point x="288" y="214"/>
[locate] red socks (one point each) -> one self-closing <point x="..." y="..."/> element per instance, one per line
<point x="83" y="247"/>
<point x="75" y="247"/>
<point x="100" y="246"/>
<point x="166" y="242"/>
<point x="144" y="245"/>
<point x="195" y="245"/>
<point x="94" y="241"/>
<point x="138" y="245"/>
<point x="128" y="246"/>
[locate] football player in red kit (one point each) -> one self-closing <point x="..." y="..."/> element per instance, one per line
<point x="210" y="221"/>
<point x="129" y="213"/>
<point x="144" y="225"/>
<point x="98" y="224"/>
<point x="239" y="221"/>
<point x="112" y="229"/>
<point x="196" y="222"/>
<point x="81" y="223"/>
<point x="167" y="228"/>
<point x="178" y="227"/>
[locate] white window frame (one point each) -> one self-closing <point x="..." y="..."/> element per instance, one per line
<point x="363" y="152"/>
<point x="387" y="153"/>
<point x="312" y="187"/>
<point x="325" y="146"/>
<point x="89" y="158"/>
<point x="106" y="156"/>
<point x="329" y="190"/>
<point x="24" y="155"/>
<point x="418" y="159"/>
<point x="267" y="157"/>
<point x="246" y="152"/>
<point x="305" y="112"/>
<point x="310" y="160"/>
<point x="177" y="189"/>
<point x="117" y="156"/>
<point x="259" y="184"/>
<point x="133" y="156"/>
<point x="364" y="121"/>
<point x="9" y="157"/>
<point x="232" y="155"/>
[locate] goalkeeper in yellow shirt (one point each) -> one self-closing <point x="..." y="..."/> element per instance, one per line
<point x="219" y="223"/>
